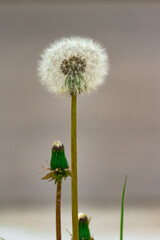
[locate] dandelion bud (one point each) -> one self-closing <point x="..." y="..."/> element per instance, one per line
<point x="84" y="233"/>
<point x="58" y="159"/>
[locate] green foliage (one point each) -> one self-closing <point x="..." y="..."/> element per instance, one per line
<point x="57" y="175"/>
<point x="122" y="209"/>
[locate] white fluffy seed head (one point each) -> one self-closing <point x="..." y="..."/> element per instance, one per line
<point x="73" y="64"/>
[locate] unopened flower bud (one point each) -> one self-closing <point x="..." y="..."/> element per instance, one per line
<point x="58" y="158"/>
<point x="84" y="233"/>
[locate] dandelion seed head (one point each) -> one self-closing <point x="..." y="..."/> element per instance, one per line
<point x="73" y="65"/>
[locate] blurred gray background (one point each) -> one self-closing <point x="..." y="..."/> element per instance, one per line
<point x="118" y="126"/>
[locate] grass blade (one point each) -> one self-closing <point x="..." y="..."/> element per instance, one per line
<point x="122" y="209"/>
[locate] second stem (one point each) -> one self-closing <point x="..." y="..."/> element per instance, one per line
<point x="58" y="211"/>
<point x="74" y="187"/>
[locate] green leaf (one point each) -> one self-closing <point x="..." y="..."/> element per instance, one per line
<point x="49" y="175"/>
<point x="122" y="209"/>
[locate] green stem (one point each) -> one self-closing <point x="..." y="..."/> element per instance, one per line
<point x="58" y="211"/>
<point x="122" y="210"/>
<point x="74" y="167"/>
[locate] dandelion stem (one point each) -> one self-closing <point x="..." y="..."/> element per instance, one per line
<point x="74" y="167"/>
<point x="58" y="210"/>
